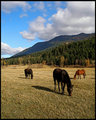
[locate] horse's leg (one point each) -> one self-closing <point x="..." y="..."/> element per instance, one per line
<point x="26" y="75"/>
<point x="54" y="84"/>
<point x="58" y="87"/>
<point x="80" y="76"/>
<point x="31" y="76"/>
<point x="63" y="86"/>
<point x="84" y="75"/>
<point x="75" y="76"/>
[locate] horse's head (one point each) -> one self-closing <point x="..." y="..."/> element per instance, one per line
<point x="70" y="89"/>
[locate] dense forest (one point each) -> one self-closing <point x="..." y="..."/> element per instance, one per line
<point x="69" y="53"/>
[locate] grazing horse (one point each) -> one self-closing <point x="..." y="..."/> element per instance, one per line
<point x="79" y="73"/>
<point x="28" y="72"/>
<point x="63" y="77"/>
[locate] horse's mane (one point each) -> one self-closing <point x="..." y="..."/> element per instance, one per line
<point x="68" y="78"/>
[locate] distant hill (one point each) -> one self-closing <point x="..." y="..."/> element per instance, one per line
<point x="53" y="42"/>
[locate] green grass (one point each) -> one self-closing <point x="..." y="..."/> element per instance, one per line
<point x="26" y="98"/>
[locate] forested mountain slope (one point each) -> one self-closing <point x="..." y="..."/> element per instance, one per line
<point x="53" y="42"/>
<point x="72" y="53"/>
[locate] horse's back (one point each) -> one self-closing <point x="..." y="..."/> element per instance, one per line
<point x="61" y="75"/>
<point x="82" y="71"/>
<point x="29" y="71"/>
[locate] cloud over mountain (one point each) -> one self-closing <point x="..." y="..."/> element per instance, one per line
<point x="77" y="17"/>
<point x="6" y="49"/>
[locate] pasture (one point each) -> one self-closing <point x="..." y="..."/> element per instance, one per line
<point x="35" y="98"/>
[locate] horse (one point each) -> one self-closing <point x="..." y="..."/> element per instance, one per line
<point x="63" y="77"/>
<point x="28" y="72"/>
<point x="79" y="73"/>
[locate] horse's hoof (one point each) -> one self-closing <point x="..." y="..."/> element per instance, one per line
<point x="62" y="93"/>
<point x="54" y="90"/>
<point x="70" y="94"/>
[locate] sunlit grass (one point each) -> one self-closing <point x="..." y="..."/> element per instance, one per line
<point x="26" y="98"/>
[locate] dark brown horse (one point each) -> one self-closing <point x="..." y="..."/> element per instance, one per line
<point x="63" y="77"/>
<point x="79" y="73"/>
<point x="28" y="72"/>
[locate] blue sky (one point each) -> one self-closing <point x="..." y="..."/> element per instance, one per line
<point x="24" y="23"/>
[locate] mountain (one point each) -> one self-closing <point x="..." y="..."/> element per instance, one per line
<point x="53" y="42"/>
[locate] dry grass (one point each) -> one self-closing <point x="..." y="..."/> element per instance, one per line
<point x="26" y="98"/>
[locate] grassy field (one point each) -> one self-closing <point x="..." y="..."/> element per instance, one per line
<point x="26" y="98"/>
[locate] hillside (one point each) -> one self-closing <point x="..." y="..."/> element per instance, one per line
<point x="53" y="42"/>
<point x="80" y="52"/>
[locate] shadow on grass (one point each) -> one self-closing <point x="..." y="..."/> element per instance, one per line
<point x="92" y="78"/>
<point x="43" y="88"/>
<point x="47" y="89"/>
<point x="81" y="78"/>
<point x="25" y="78"/>
<point x="22" y="77"/>
<point x="71" y="78"/>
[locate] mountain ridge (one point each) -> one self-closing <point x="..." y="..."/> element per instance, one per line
<point x="53" y="42"/>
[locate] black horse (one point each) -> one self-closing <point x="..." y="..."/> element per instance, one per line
<point x="63" y="77"/>
<point x="28" y="72"/>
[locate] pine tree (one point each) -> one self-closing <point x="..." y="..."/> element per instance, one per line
<point x="62" y="61"/>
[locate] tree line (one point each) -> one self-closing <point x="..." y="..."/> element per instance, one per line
<point x="73" y="53"/>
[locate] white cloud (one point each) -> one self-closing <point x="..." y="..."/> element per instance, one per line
<point x="47" y="33"/>
<point x="23" y="15"/>
<point x="28" y="35"/>
<point x="39" y="5"/>
<point x="7" y="50"/>
<point x="37" y="25"/>
<point x="9" y="6"/>
<point x="34" y="27"/>
<point x="79" y="8"/>
<point x="76" y="18"/>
